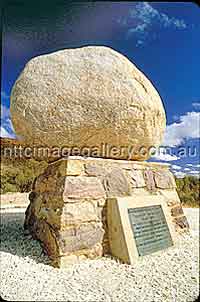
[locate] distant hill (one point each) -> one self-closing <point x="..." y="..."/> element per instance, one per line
<point x="17" y="173"/>
<point x="10" y="142"/>
<point x="18" y="176"/>
<point x="8" y="145"/>
<point x="13" y="149"/>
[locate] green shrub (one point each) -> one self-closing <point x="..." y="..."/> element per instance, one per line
<point x="18" y="176"/>
<point x="189" y="191"/>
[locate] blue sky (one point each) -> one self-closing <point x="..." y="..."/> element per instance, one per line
<point x="162" y="39"/>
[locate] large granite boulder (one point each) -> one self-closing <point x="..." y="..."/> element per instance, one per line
<point x="88" y="97"/>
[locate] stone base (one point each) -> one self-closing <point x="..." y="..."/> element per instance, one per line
<point x="68" y="203"/>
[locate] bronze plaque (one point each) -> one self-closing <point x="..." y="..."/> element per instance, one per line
<point x="150" y="229"/>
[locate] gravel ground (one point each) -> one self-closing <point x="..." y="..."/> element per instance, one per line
<point x="169" y="276"/>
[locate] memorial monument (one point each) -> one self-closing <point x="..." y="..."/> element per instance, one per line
<point x="95" y="102"/>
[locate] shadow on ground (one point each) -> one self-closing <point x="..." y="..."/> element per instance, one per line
<point x="15" y="242"/>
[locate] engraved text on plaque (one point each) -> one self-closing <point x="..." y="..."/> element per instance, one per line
<point x="150" y="229"/>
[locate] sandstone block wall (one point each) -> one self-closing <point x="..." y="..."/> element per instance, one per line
<point x="68" y="203"/>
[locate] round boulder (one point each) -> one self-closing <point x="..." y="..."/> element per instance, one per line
<point x="91" y="98"/>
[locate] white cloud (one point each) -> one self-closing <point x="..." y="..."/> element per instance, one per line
<point x="193" y="165"/>
<point x="6" y="124"/>
<point x="143" y="18"/>
<point x="175" y="117"/>
<point x="188" y="127"/>
<point x="4" y="95"/>
<point x="161" y="154"/>
<point x="5" y="133"/>
<point x="7" y="128"/>
<point x="194" y="172"/>
<point x="185" y="172"/>
<point x="179" y="174"/>
<point x="167" y="157"/>
<point x="175" y="167"/>
<point x="196" y="105"/>
<point x="5" y="112"/>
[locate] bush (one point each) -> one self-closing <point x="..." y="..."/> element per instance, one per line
<point x="189" y="191"/>
<point x="18" y="176"/>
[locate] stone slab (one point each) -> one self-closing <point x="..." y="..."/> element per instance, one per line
<point x="137" y="179"/>
<point x="116" y="183"/>
<point x="83" y="187"/>
<point x="84" y="236"/>
<point x="75" y="213"/>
